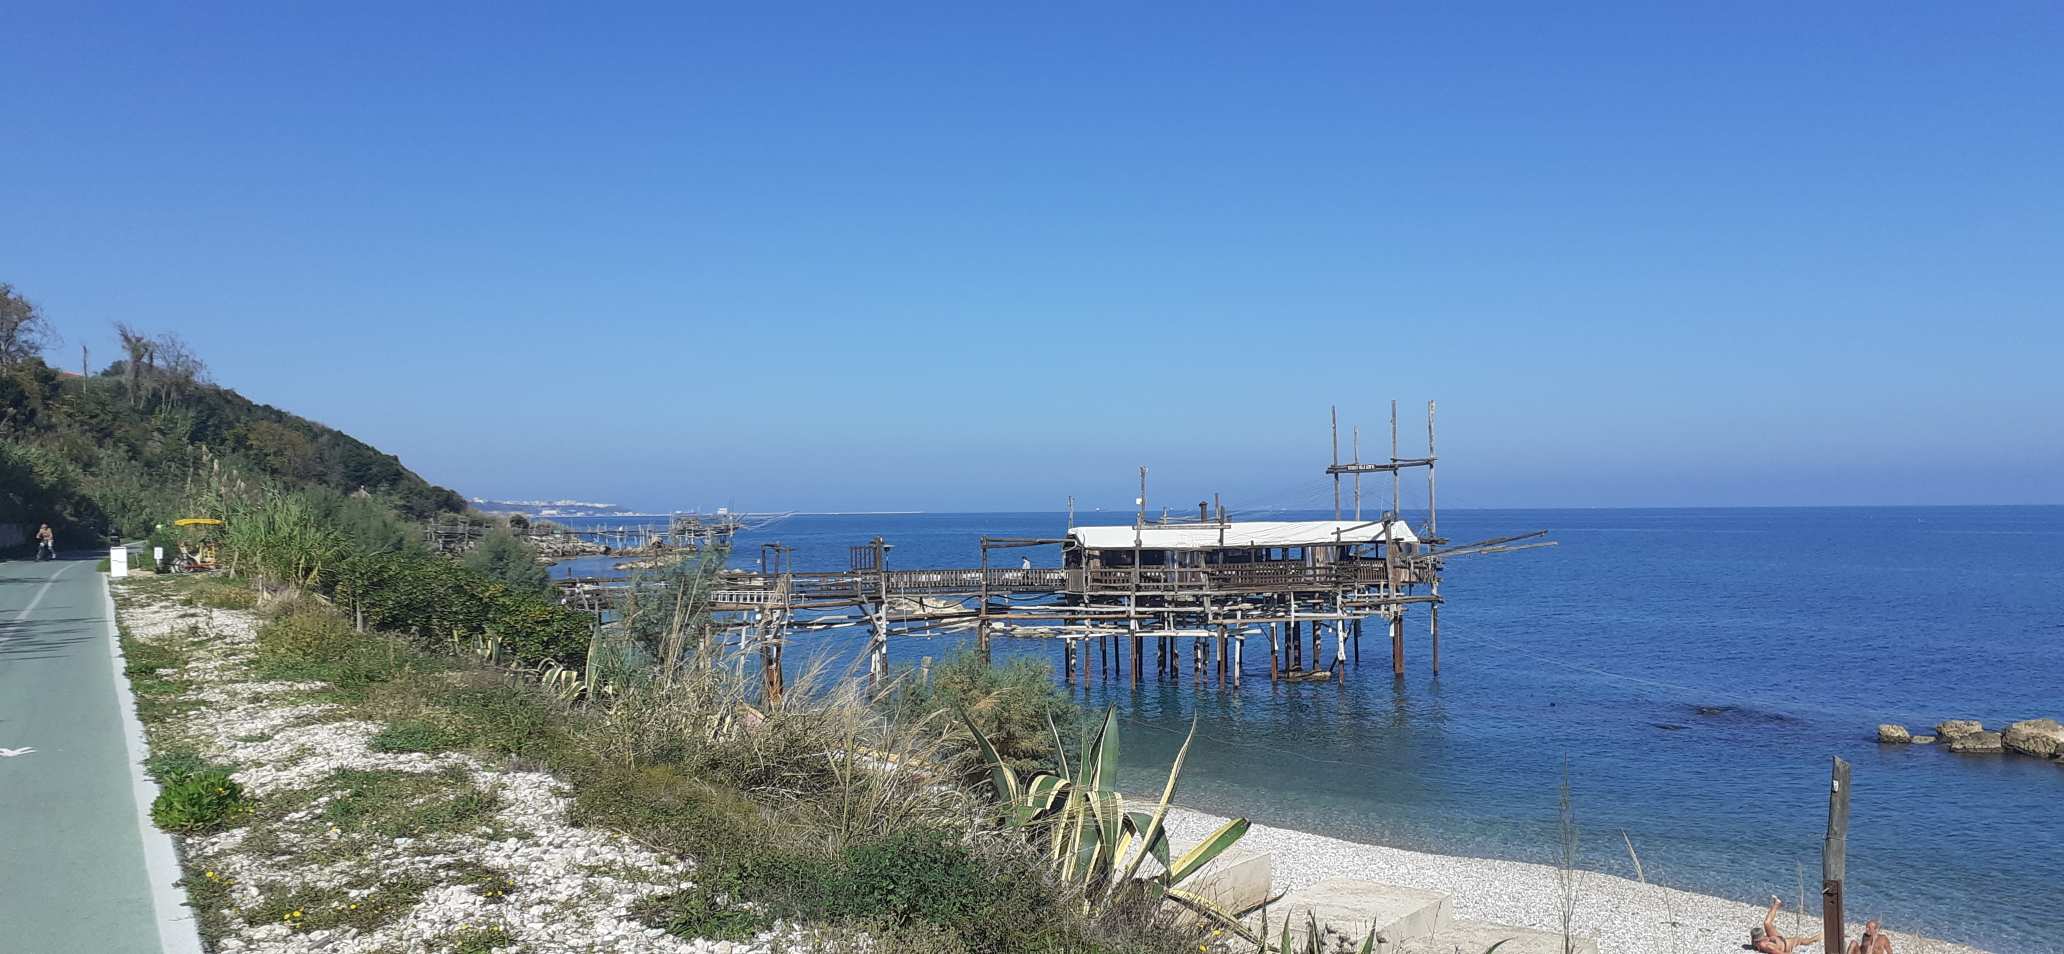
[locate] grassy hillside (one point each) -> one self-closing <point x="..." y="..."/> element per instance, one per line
<point x="116" y="453"/>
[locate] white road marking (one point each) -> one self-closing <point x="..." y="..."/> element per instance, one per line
<point x="40" y="593"/>
<point x="11" y="753"/>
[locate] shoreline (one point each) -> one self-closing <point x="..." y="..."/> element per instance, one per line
<point x="1623" y="915"/>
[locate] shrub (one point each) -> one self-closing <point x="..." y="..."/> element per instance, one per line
<point x="912" y="875"/>
<point x="1011" y="704"/>
<point x="438" y="600"/>
<point x="503" y="556"/>
<point x="206" y="800"/>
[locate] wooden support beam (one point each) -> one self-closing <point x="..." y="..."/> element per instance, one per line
<point x="1434" y="626"/>
<point x="1397" y="644"/>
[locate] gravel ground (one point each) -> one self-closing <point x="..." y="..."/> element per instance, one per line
<point x="569" y="888"/>
<point x="1626" y="917"/>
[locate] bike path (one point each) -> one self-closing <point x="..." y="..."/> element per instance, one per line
<point x="81" y="868"/>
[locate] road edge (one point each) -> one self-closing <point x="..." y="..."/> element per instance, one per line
<point x="178" y="929"/>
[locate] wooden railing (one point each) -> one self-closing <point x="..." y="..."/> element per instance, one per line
<point x="1240" y="578"/>
<point x="750" y="589"/>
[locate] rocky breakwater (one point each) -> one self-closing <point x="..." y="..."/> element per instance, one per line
<point x="2039" y="738"/>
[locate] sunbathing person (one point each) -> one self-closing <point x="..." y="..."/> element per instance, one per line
<point x="1766" y="938"/>
<point x="1873" y="941"/>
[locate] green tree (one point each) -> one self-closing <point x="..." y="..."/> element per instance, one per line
<point x="26" y="390"/>
<point x="504" y="556"/>
<point x="24" y="333"/>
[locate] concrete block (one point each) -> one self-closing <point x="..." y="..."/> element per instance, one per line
<point x="1472" y="938"/>
<point x="1350" y="909"/>
<point x="1237" y="881"/>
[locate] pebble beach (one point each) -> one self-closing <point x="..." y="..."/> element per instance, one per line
<point x="1622" y="915"/>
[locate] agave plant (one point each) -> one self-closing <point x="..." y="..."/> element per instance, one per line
<point x="1092" y="840"/>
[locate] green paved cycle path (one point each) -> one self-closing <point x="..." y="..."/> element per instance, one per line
<point x="81" y="869"/>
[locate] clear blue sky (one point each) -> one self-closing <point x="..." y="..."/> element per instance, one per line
<point x="968" y="257"/>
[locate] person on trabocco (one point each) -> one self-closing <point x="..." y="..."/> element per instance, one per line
<point x="1873" y="941"/>
<point x="1765" y="937"/>
<point x="46" y="543"/>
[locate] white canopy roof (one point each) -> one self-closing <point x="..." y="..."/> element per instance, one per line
<point x="1259" y="533"/>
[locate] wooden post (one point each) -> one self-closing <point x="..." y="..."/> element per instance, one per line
<point x="1137" y="648"/>
<point x="1434" y="614"/>
<point x="878" y="664"/>
<point x="1397" y="643"/>
<point x="1272" y="668"/>
<point x="1067" y="661"/>
<point x="770" y="667"/>
<point x="878" y="650"/>
<point x="1239" y="656"/>
<point x="1221" y="656"/>
<point x="982" y="612"/>
<point x="1358" y="642"/>
<point x="1834" y="857"/>
<point x="1082" y="648"/>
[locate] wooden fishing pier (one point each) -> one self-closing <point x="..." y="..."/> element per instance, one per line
<point x="1200" y="587"/>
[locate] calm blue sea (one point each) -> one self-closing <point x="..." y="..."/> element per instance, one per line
<point x="1695" y="669"/>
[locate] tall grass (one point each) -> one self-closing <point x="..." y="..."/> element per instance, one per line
<point x="283" y="540"/>
<point x="1570" y="875"/>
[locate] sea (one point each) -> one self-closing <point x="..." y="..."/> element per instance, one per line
<point x="1689" y="674"/>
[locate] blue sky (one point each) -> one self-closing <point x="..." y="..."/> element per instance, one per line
<point x="942" y="257"/>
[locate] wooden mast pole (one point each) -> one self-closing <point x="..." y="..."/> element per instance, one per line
<point x="1397" y="609"/>
<point x="1432" y="533"/>
<point x="1139" y="524"/>
<point x="1358" y="474"/>
<point x="1396" y="495"/>
<point x="1336" y="463"/>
